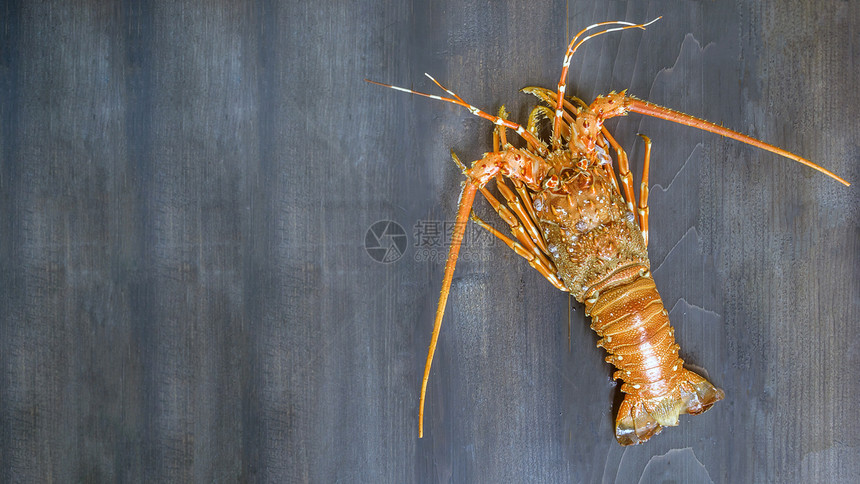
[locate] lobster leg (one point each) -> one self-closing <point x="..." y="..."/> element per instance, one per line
<point x="623" y="169"/>
<point x="529" y="204"/>
<point x="532" y="255"/>
<point x="525" y="216"/>
<point x="516" y="227"/>
<point x="608" y="169"/>
<point x="643" y="190"/>
<point x="524" y="237"/>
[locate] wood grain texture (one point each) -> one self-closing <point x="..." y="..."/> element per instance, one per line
<point x="185" y="193"/>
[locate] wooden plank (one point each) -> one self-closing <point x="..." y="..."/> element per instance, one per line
<point x="185" y="195"/>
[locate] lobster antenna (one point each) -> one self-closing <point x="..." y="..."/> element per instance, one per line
<point x="565" y="66"/>
<point x="463" y="211"/>
<point x="648" y="109"/>
<point x="455" y="99"/>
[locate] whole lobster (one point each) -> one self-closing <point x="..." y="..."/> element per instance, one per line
<point x="587" y="235"/>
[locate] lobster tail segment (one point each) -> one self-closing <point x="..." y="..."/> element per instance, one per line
<point x="629" y="316"/>
<point x="639" y="419"/>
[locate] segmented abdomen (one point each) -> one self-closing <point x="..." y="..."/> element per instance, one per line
<point x="628" y="314"/>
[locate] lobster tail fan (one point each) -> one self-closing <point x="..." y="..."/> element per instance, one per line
<point x="638" y="420"/>
<point x="634" y="424"/>
<point x="698" y="394"/>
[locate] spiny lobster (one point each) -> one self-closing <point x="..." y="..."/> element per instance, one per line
<point x="585" y="233"/>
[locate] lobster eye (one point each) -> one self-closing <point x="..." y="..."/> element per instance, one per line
<point x="550" y="182"/>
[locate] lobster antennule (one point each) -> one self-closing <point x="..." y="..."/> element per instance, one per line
<point x="455" y="99"/>
<point x="565" y="66"/>
<point x="465" y="208"/>
<point x="648" y="109"/>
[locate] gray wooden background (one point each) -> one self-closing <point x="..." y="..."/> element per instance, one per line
<point x="185" y="192"/>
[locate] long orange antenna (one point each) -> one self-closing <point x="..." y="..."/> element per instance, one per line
<point x="648" y="109"/>
<point x="465" y="208"/>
